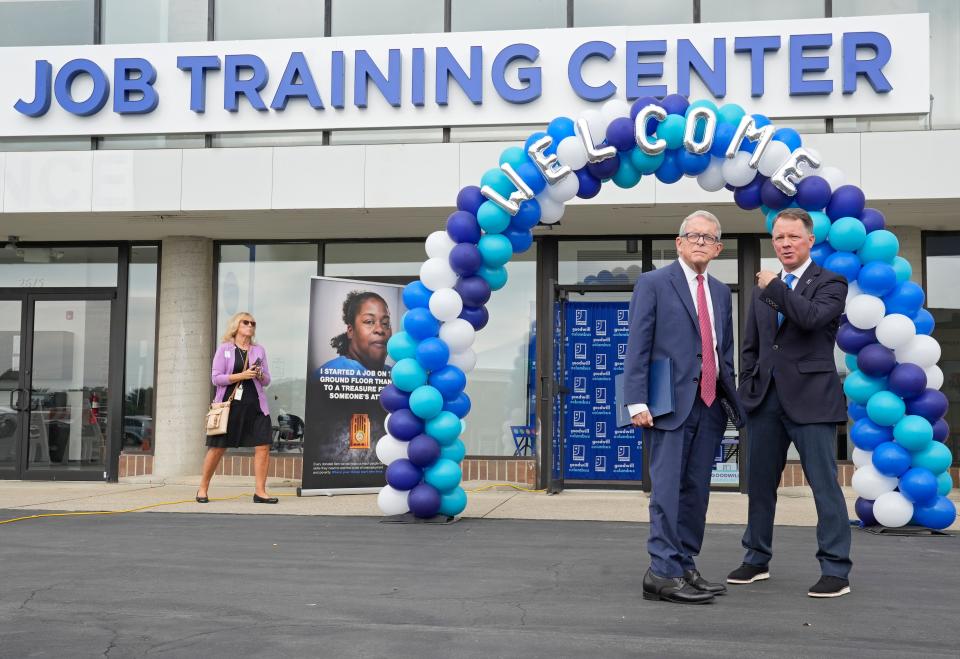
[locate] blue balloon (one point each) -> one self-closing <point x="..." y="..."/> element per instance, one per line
<point x="408" y="374"/>
<point x="515" y="156"/>
<point x="420" y="323"/>
<point x="913" y="433"/>
<point x="520" y="239"/>
<point x="492" y="218"/>
<point x="401" y="346"/>
<point x="443" y="475"/>
<point x="856" y="411"/>
<point x="561" y="127"/>
<point x="644" y="163"/>
<point x="846" y="201"/>
<point x="879" y="245"/>
<point x="415" y="295"/>
<point x="531" y="176"/>
<point x="813" y="193"/>
<point x="424" y="501"/>
<point x="445" y="427"/>
<point x="393" y="399"/>
<point x="470" y="199"/>
<point x="402" y="474"/>
<point x="538" y="136"/>
<point x="924" y="321"/>
<point x="867" y="435"/>
<point x="433" y="353"/>
<point x="859" y="387"/>
<point x="604" y="169"/>
<point x="675" y="104"/>
<point x="465" y="259"/>
<point x="771" y="216"/>
<point x="404" y="424"/>
<point x="449" y="381"/>
<point x="773" y="197"/>
<point x="820" y="253"/>
<point x="903" y="269"/>
<point x="907" y="298"/>
<point x="620" y="134"/>
<point x="589" y="184"/>
<point x="847" y="234"/>
<point x="938" y="516"/>
<point x="907" y="380"/>
<point x="455" y="451"/>
<point x="931" y="404"/>
<point x="872" y="219"/>
<point x="877" y="278"/>
<point x="864" y="510"/>
<point x="453" y="503"/>
<point x="759" y="121"/>
<point x="474" y="291"/>
<point x="721" y="140"/>
<point x="527" y="217"/>
<point x="876" y="360"/>
<point x="885" y="408"/>
<point x="496" y="278"/>
<point x="462" y="227"/>
<point x="852" y="340"/>
<point x="919" y="486"/>
<point x="788" y="136"/>
<point x="669" y="170"/>
<point x="423" y="450"/>
<point x="845" y="264"/>
<point x="693" y="164"/>
<point x="936" y="457"/>
<point x="891" y="459"/>
<point x="460" y="405"/>
<point x="476" y="316"/>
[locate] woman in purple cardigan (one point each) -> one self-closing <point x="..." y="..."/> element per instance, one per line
<point x="249" y="421"/>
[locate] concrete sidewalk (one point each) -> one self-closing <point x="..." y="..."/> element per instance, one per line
<point x="486" y="500"/>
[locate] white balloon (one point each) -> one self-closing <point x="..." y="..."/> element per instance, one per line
<point x="614" y="109"/>
<point x="465" y="360"/>
<point x="853" y="290"/>
<point x="597" y="124"/>
<point x="865" y="311"/>
<point x="572" y="153"/>
<point x="861" y="457"/>
<point x="922" y="350"/>
<point x="457" y="334"/>
<point x="773" y="156"/>
<point x="392" y="502"/>
<point x="833" y="176"/>
<point x="445" y="304"/>
<point x="712" y="179"/>
<point x="870" y="483"/>
<point x="895" y="330"/>
<point x="439" y="244"/>
<point x="737" y="170"/>
<point x="390" y="449"/>
<point x="564" y="190"/>
<point x="892" y="509"/>
<point x="436" y="273"/>
<point x="550" y="211"/>
<point x="934" y="377"/>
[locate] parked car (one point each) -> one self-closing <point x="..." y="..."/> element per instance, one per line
<point x="138" y="432"/>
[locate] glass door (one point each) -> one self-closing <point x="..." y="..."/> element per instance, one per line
<point x="13" y="398"/>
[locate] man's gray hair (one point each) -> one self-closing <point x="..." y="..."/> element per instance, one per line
<point x="707" y="215"/>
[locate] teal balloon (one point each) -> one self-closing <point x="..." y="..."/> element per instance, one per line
<point x="495" y="249"/>
<point x="455" y="451"/>
<point x="408" y="374"/>
<point x="913" y="433"/>
<point x="936" y="457"/>
<point x="902" y="267"/>
<point x="495" y="277"/>
<point x="514" y="155"/>
<point x="847" y="234"/>
<point x="702" y="103"/>
<point x="627" y="175"/>
<point x="851" y="362"/>
<point x="445" y="427"/>
<point x="879" y="245"/>
<point x="730" y="113"/>
<point x="444" y="475"/>
<point x="860" y="388"/>
<point x="426" y="402"/>
<point x="401" y="346"/>
<point x="885" y="408"/>
<point x="453" y="503"/>
<point x="492" y="218"/>
<point x="646" y="164"/>
<point x="944" y="484"/>
<point x="499" y="181"/>
<point x="821" y="226"/>
<point x="671" y="129"/>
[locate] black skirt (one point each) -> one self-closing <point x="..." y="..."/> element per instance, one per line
<point x="247" y="425"/>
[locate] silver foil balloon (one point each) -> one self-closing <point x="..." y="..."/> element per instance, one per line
<point x="640" y="130"/>
<point x="549" y="165"/>
<point x="792" y="168"/>
<point x="690" y="141"/>
<point x="748" y="130"/>
<point x="522" y="193"/>
<point x="594" y="153"/>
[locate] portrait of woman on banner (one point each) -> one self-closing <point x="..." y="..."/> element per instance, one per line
<point x="363" y="345"/>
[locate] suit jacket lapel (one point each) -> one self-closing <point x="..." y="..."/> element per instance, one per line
<point x="683" y="290"/>
<point x="716" y="295"/>
<point x="813" y="271"/>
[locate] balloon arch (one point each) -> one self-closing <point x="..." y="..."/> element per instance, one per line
<point x="896" y="405"/>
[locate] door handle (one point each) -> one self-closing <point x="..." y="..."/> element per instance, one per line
<point x="17" y="405"/>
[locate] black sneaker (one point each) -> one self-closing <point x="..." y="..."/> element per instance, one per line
<point x="830" y="587"/>
<point x="748" y="574"/>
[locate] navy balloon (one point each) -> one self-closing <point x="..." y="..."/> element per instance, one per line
<point x="460" y="405"/>
<point x="877" y="278"/>
<point x="846" y="201"/>
<point x="907" y="380"/>
<point x="693" y="164"/>
<point x="675" y="104"/>
<point x="416" y="295"/>
<point x="867" y="435"/>
<point x="856" y="411"/>
<point x="620" y="134"/>
<point x="641" y="103"/>
<point x="872" y="219"/>
<point x="813" y="193"/>
<point x="846" y="264"/>
<point x="465" y="259"/>
<point x="931" y="404"/>
<point x="876" y="360"/>
<point x="924" y="321"/>
<point x="589" y="184"/>
<point x="864" y="510"/>
<point x="669" y="170"/>
<point x="474" y="291"/>
<point x="470" y="199"/>
<point x="788" y="136"/>
<point x="404" y="425"/>
<point x="462" y="227"/>
<point x="402" y="474"/>
<point x="476" y="316"/>
<point x="906" y="299"/>
<point x="891" y="459"/>
<point x="748" y="196"/>
<point x="773" y="197"/>
<point x="432" y="354"/>
<point x="527" y="217"/>
<point x="449" y="381"/>
<point x="852" y="339"/>
<point x="919" y="486"/>
<point x="424" y="501"/>
<point x="820" y="253"/>
<point x="941" y="430"/>
<point x="393" y="399"/>
<point x="423" y="450"/>
<point x="605" y="168"/>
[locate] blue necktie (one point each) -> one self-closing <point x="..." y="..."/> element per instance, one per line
<point x="788" y="280"/>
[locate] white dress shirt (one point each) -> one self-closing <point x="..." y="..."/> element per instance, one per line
<point x="691" y="276"/>
<point x="798" y="273"/>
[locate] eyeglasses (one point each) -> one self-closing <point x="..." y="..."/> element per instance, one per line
<point x="694" y="238"/>
<point x="251" y="323"/>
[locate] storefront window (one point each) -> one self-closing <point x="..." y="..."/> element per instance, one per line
<point x="593" y="13"/>
<point x="154" y="21"/>
<point x="278" y="19"/>
<point x="28" y="266"/>
<point x="353" y="17"/>
<point x="599" y="262"/>
<point x="724" y="267"/>
<point x="467" y="15"/>
<point x="716" y="11"/>
<point x="138" y="426"/>
<point x="943" y="301"/>
<point x="499" y="386"/>
<point x="152" y="142"/>
<point x="46" y="22"/>
<point x="272" y="282"/>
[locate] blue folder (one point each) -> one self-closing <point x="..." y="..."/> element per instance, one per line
<point x="659" y="389"/>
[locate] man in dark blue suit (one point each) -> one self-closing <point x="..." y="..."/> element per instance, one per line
<point x="792" y="393"/>
<point x="681" y="315"/>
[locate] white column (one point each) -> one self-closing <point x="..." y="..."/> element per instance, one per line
<point x="184" y="352"/>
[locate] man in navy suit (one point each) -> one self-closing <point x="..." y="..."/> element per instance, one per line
<point x="681" y="314"/>
<point x="792" y="393"/>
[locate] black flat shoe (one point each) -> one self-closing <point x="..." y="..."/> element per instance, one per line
<point x="201" y="499"/>
<point x="259" y="499"/>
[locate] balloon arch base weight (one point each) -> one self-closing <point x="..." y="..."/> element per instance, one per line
<point x="410" y="518"/>
<point x="905" y="531"/>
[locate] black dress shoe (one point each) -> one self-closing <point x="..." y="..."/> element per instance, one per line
<point x="675" y="590"/>
<point x="259" y="499"/>
<point x="695" y="579"/>
<point x="201" y="499"/>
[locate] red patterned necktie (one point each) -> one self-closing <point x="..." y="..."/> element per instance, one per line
<point x="708" y="367"/>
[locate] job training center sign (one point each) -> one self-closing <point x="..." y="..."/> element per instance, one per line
<point x="820" y="67"/>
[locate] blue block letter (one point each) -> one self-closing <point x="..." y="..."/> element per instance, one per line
<point x="800" y="64"/>
<point x="447" y="66"/>
<point x="297" y="68"/>
<point x="575" y="71"/>
<point x="758" y="47"/>
<point x="365" y="69"/>
<point x="234" y="87"/>
<point x="198" y="65"/>
<point x="637" y="70"/>
<point x="41" y="95"/>
<point x="871" y="69"/>
<point x="529" y="76"/>
<point x="142" y="85"/>
<point x="63" y="83"/>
